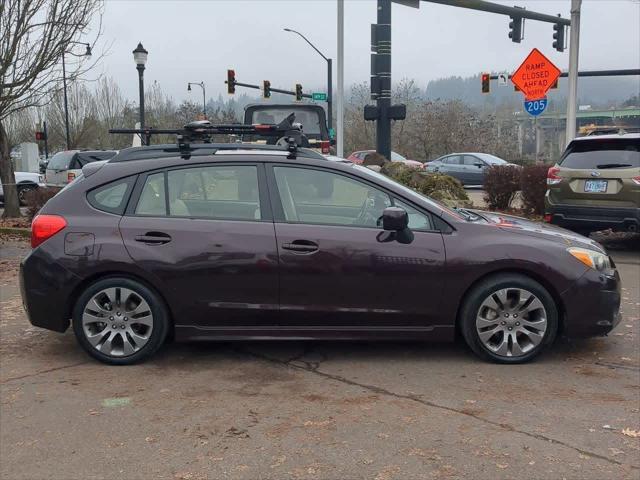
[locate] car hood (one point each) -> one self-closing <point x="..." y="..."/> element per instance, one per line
<point x="540" y="230"/>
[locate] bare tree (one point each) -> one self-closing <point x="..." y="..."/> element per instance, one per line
<point x="35" y="36"/>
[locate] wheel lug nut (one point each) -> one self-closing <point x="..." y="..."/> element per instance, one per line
<point x="503" y="323"/>
<point x="122" y="326"/>
<point x="515" y="315"/>
<point x="110" y="318"/>
<point x="517" y="324"/>
<point x="506" y="315"/>
<point x="510" y="328"/>
<point x="126" y="319"/>
<point x="115" y="326"/>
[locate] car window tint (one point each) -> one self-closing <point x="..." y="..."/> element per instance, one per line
<point x="594" y="154"/>
<point x="224" y="192"/>
<point x="309" y="119"/>
<point x="417" y="220"/>
<point x="322" y="197"/>
<point x="60" y="161"/>
<point x="111" y="197"/>
<point x="469" y="160"/>
<point x="452" y="160"/>
<point x="152" y="199"/>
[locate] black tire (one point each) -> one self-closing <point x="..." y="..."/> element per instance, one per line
<point x="475" y="298"/>
<point x="22" y="191"/>
<point x="158" y="309"/>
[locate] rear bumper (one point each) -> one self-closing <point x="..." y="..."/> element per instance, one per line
<point x="594" y="218"/>
<point x="46" y="288"/>
<point x="592" y="305"/>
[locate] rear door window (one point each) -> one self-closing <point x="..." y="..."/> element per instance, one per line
<point x="597" y="154"/>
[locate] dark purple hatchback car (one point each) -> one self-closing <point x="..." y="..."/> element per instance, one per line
<point x="242" y="242"/>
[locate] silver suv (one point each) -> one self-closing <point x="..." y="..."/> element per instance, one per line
<point x="65" y="166"/>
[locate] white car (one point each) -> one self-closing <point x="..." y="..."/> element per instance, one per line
<point x="65" y="166"/>
<point x="25" y="181"/>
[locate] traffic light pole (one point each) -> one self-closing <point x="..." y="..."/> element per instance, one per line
<point x="275" y="90"/>
<point x="572" y="100"/>
<point x="46" y="140"/>
<point x="383" y="73"/>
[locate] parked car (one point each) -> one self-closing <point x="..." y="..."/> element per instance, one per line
<point x="229" y="242"/>
<point x="596" y="184"/>
<point x="64" y="166"/>
<point x="469" y="168"/>
<point x="25" y="181"/>
<point x="358" y="158"/>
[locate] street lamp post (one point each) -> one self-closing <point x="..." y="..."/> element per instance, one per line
<point x="87" y="53"/>
<point x="204" y="96"/>
<point x="140" y="58"/>
<point x="329" y="77"/>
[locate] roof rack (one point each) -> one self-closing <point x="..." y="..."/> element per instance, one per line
<point x="285" y="134"/>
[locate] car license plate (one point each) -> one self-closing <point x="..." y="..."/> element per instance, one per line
<point x="595" y="186"/>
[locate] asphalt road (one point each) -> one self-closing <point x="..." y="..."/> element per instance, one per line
<point x="317" y="410"/>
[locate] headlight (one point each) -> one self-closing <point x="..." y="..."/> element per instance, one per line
<point x="591" y="258"/>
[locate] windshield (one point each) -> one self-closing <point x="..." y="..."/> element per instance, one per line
<point x="309" y="119"/>
<point x="396" y="157"/>
<point x="60" y="161"/>
<point x="594" y="154"/>
<point x="492" y="159"/>
<point x="410" y="193"/>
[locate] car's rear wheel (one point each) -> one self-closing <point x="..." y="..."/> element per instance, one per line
<point x="509" y="318"/>
<point x="120" y="321"/>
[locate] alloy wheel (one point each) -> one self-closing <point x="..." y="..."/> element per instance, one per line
<point x="511" y="322"/>
<point x="117" y="321"/>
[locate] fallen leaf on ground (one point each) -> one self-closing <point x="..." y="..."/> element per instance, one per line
<point x="502" y="465"/>
<point x="631" y="433"/>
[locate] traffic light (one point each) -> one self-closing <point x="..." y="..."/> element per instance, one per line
<point x="266" y="89"/>
<point x="515" y="28"/>
<point x="298" y="92"/>
<point x="231" y="82"/>
<point x="558" y="37"/>
<point x="486" y="82"/>
<point x="40" y="136"/>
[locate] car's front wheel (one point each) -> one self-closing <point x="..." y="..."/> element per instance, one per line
<point x="509" y="318"/>
<point x="120" y="321"/>
<point x="22" y="192"/>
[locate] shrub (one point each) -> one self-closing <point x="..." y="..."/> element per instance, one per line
<point x="36" y="199"/>
<point x="533" y="184"/>
<point x="440" y="187"/>
<point x="501" y="183"/>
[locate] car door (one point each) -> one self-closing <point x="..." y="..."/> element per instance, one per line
<point x="452" y="165"/>
<point x="337" y="269"/>
<point x="473" y="170"/>
<point x="205" y="234"/>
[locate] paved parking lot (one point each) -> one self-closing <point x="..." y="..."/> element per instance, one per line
<point x="317" y="410"/>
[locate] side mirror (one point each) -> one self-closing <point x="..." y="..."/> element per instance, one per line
<point x="395" y="219"/>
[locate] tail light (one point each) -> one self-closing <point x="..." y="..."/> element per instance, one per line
<point x="636" y="180"/>
<point x="552" y="176"/>
<point x="324" y="146"/>
<point x="44" y="227"/>
<point x="548" y="217"/>
<point x="71" y="177"/>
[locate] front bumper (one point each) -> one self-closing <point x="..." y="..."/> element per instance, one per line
<point x="594" y="218"/>
<point x="592" y="305"/>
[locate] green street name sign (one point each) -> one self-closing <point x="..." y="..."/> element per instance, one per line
<point x="319" y="96"/>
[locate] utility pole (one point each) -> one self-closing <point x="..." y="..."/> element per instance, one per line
<point x="383" y="72"/>
<point x="340" y="96"/>
<point x="574" y="46"/>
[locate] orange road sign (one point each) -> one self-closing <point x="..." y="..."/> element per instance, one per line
<point x="535" y="76"/>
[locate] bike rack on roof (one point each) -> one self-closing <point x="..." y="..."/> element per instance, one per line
<point x="288" y="134"/>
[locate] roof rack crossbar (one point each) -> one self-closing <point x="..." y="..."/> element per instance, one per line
<point x="288" y="134"/>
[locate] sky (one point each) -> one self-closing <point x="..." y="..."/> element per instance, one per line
<point x="193" y="41"/>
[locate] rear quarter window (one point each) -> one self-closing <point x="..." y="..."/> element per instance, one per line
<point x="60" y="161"/>
<point x="595" y="154"/>
<point x="112" y="197"/>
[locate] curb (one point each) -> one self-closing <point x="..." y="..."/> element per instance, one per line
<point x="24" y="232"/>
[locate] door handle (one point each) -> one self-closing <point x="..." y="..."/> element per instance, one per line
<point x="301" y="246"/>
<point x="154" y="238"/>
